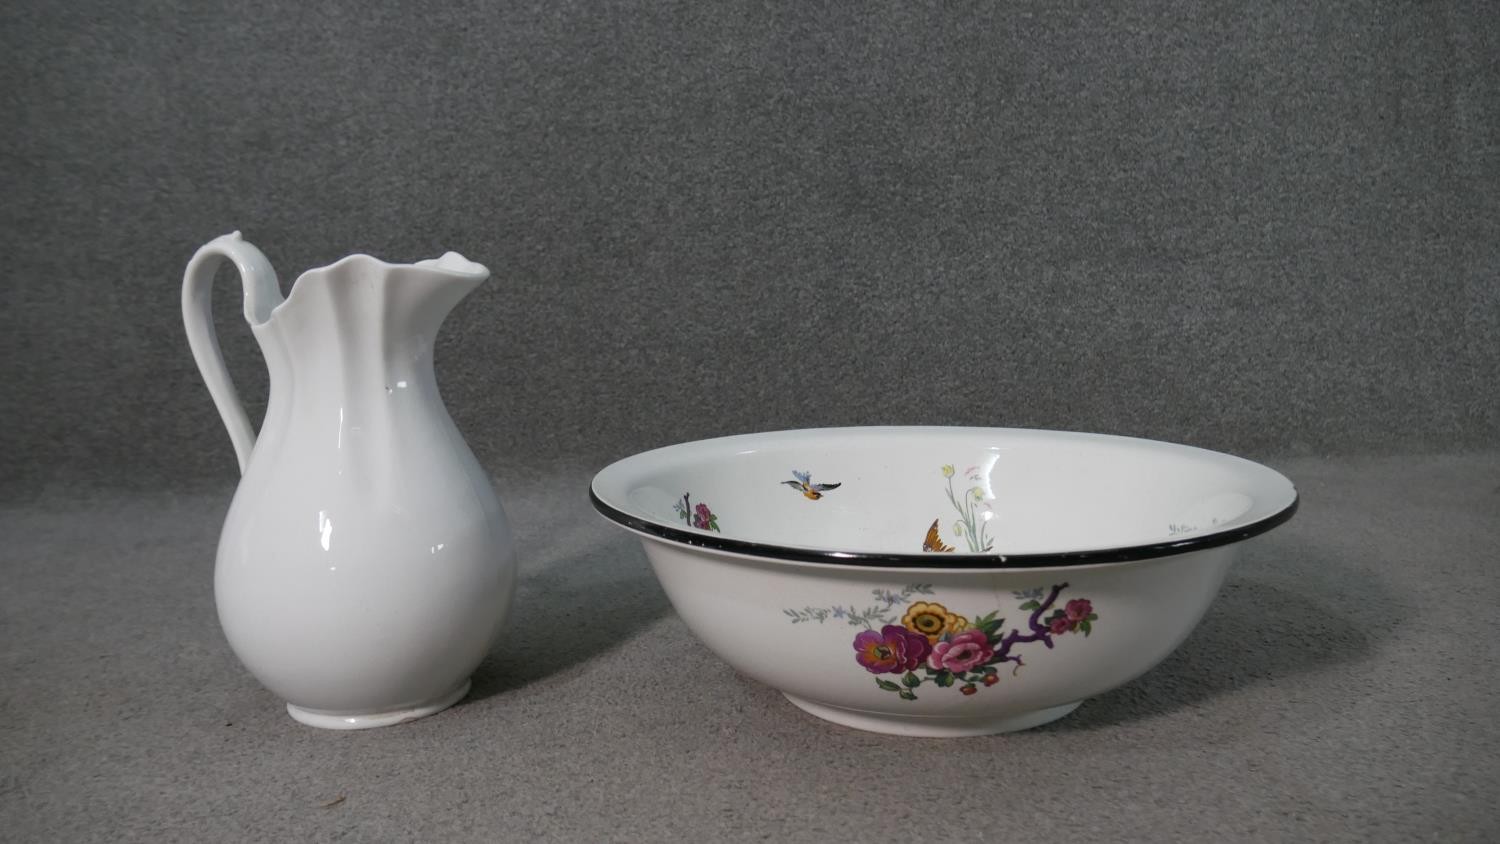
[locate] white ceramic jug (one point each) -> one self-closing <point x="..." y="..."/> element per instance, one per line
<point x="365" y="566"/>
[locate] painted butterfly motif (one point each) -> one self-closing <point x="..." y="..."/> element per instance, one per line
<point x="804" y="485"/>
<point x="934" y="542"/>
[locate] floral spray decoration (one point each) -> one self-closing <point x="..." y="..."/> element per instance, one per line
<point x="698" y="515"/>
<point x="923" y="642"/>
<point x="973" y="515"/>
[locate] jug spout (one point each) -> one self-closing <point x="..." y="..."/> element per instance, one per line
<point x="452" y="262"/>
<point x="372" y="304"/>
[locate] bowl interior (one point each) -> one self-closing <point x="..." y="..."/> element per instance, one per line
<point x="989" y="491"/>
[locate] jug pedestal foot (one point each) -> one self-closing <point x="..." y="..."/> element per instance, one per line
<point x="366" y="720"/>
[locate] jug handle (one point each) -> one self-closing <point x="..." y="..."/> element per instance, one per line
<point x="262" y="295"/>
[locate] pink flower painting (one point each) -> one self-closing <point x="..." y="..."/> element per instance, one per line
<point x="944" y="648"/>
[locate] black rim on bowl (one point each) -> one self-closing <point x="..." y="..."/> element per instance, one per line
<point x="1123" y="554"/>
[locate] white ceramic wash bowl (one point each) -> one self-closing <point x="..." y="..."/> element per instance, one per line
<point x="941" y="581"/>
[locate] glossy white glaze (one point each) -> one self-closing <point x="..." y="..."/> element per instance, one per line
<point x="827" y="634"/>
<point x="736" y="606"/>
<point x="365" y="566"/>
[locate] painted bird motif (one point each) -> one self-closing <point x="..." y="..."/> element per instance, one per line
<point x="804" y="485"/>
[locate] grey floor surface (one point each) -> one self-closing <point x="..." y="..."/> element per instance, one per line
<point x="1342" y="688"/>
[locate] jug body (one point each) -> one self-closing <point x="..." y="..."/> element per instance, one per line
<point x="365" y="566"/>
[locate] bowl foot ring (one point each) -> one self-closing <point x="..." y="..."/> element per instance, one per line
<point x="368" y="720"/>
<point x="931" y="727"/>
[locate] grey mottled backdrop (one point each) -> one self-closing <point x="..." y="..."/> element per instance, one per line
<point x="1269" y="228"/>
